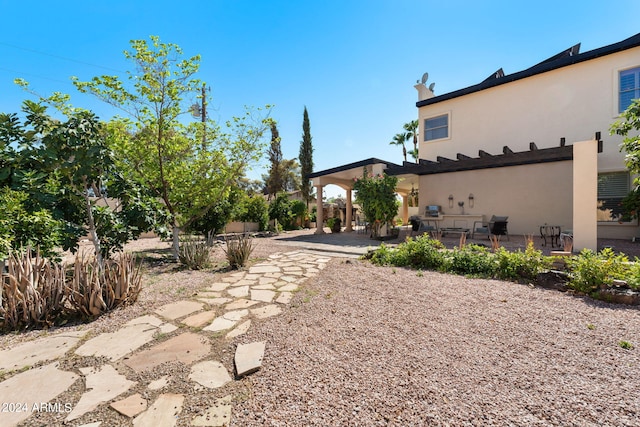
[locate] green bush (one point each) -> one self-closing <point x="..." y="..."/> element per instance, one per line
<point x="282" y="210"/>
<point x="422" y="252"/>
<point x="471" y="260"/>
<point x="589" y="270"/>
<point x="521" y="265"/>
<point x="254" y="209"/>
<point x="633" y="274"/>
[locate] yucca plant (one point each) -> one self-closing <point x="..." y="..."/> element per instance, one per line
<point x="194" y="254"/>
<point x="93" y="291"/>
<point x="238" y="250"/>
<point x="33" y="291"/>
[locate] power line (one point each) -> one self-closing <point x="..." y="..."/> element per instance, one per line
<point x="60" y="57"/>
<point x="34" y="75"/>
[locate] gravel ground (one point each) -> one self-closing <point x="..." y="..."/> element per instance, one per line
<point x="366" y="346"/>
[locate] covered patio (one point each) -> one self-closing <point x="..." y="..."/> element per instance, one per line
<point x="344" y="177"/>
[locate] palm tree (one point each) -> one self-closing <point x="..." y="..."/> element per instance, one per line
<point x="412" y="133"/>
<point x="399" y="139"/>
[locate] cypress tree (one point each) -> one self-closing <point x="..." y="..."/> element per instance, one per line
<point x="306" y="159"/>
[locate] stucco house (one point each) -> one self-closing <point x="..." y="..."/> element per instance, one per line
<point x="533" y="145"/>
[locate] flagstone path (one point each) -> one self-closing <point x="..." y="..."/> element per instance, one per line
<point x="222" y="311"/>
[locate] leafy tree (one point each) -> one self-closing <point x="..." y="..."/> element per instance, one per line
<point x="254" y="209"/>
<point x="377" y="199"/>
<point x="274" y="181"/>
<point x="156" y="149"/>
<point x="628" y="127"/>
<point x="291" y="175"/>
<point x="411" y="130"/>
<point x="400" y="139"/>
<point x="306" y="159"/>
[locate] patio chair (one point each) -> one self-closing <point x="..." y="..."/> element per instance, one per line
<point x="497" y="226"/>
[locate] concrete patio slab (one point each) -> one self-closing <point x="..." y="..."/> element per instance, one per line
<point x="102" y="384"/>
<point x="179" y="309"/>
<point x="31" y="388"/>
<point x="41" y="349"/>
<point x="210" y="374"/>
<point x="185" y="348"/>
<point x="164" y="412"/>
<point x="248" y="358"/>
<point x="131" y="406"/>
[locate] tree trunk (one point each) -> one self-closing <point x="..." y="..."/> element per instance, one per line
<point x="176" y="239"/>
<point x="92" y="229"/>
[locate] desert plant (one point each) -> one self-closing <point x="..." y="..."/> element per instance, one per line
<point x="238" y="250"/>
<point x="495" y="242"/>
<point x="94" y="290"/>
<point x="521" y="264"/>
<point x="33" y="291"/>
<point x="194" y="254"/>
<point x="334" y="224"/>
<point x="626" y="345"/>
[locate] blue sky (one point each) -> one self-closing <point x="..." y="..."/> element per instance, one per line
<point x="353" y="64"/>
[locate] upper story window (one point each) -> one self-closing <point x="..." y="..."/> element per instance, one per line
<point x="436" y="127"/>
<point x="629" y="87"/>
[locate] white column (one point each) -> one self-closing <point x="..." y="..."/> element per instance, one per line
<point x="349" y="218"/>
<point x="319" y="211"/>
<point x="585" y="195"/>
<point x="405" y="209"/>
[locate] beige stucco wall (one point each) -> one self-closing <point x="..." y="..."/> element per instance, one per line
<point x="572" y="102"/>
<point x="535" y="194"/>
<point x="585" y="195"/>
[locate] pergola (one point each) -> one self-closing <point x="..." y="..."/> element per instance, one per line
<point x="344" y="177"/>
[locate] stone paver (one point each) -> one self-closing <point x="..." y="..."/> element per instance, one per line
<point x="179" y="309"/>
<point x="266" y="311"/>
<point x="199" y="319"/>
<point x="131" y="406"/>
<point x="164" y="412"/>
<point x="102" y="384"/>
<point x="240" y="303"/>
<point x="262" y="295"/>
<point x="239" y="330"/>
<point x="31" y="388"/>
<point x="32" y="352"/>
<point x="216" y="416"/>
<point x="185" y="348"/>
<point x="248" y="358"/>
<point x="240" y="298"/>
<point x="210" y="374"/>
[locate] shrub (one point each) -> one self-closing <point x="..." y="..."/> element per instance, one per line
<point x="194" y="254"/>
<point x="37" y="292"/>
<point x="521" y="265"/>
<point x="238" y="250"/>
<point x="472" y="260"/>
<point x="377" y="199"/>
<point x="589" y="270"/>
<point x="422" y="252"/>
<point x="255" y="209"/>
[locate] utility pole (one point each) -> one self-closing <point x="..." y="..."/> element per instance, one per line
<point x="204" y="115"/>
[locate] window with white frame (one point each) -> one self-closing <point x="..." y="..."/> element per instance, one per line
<point x="436" y="127"/>
<point x="612" y="188"/>
<point x="629" y="87"/>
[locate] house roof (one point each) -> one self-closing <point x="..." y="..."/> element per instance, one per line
<point x="563" y="59"/>
<point x="486" y="160"/>
<point x="344" y="168"/>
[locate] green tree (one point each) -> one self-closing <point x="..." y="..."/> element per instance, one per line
<point x="628" y="126"/>
<point x="291" y="175"/>
<point x="411" y="130"/>
<point x="166" y="156"/>
<point x="377" y="199"/>
<point x="306" y="159"/>
<point x="274" y="181"/>
<point x="400" y="139"/>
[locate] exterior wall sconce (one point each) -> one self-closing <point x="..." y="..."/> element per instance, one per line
<point x="450" y="200"/>
<point x="471" y="200"/>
